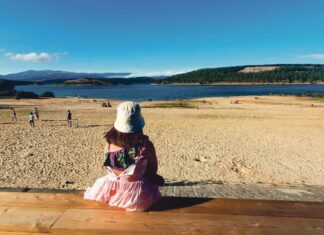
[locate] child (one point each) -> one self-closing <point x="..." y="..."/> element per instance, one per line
<point x="31" y="119"/>
<point x="69" y="118"/>
<point x="14" y="115"/>
<point x="36" y="114"/>
<point x="131" y="164"/>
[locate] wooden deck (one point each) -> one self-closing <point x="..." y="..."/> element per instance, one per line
<point x="41" y="213"/>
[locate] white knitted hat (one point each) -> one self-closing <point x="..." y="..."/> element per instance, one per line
<point x="129" y="118"/>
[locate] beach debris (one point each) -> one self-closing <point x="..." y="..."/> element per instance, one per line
<point x="201" y="159"/>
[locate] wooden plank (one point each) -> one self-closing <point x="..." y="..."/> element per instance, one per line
<point x="18" y="219"/>
<point x="2" y="209"/>
<point x="92" y="221"/>
<point x="172" y="204"/>
<point x="50" y="200"/>
<point x="242" y="207"/>
<point x="21" y="233"/>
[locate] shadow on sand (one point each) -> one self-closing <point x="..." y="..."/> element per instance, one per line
<point x="7" y="123"/>
<point x="191" y="183"/>
<point x="76" y="122"/>
<point x="95" y="125"/>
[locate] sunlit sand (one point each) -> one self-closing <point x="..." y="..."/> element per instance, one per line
<point x="266" y="139"/>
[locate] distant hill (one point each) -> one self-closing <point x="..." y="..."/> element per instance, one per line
<point x="45" y="75"/>
<point x="277" y="73"/>
<point x="111" y="81"/>
<point x="84" y="81"/>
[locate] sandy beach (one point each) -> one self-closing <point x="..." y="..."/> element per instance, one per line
<point x="261" y="140"/>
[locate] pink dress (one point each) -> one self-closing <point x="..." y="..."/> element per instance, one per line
<point x="131" y="190"/>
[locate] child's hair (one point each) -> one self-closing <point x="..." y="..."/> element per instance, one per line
<point x="124" y="140"/>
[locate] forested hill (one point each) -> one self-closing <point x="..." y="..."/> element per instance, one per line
<point x="7" y="87"/>
<point x="278" y="73"/>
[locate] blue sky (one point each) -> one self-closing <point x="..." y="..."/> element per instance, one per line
<point x="157" y="36"/>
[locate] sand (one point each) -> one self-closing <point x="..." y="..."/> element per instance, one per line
<point x="264" y="140"/>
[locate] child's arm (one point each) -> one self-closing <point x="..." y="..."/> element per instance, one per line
<point x="106" y="150"/>
<point x="150" y="155"/>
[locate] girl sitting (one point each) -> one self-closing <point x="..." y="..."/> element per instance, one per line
<point x="130" y="160"/>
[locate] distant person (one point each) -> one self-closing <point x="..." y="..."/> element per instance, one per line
<point x="108" y="104"/>
<point x="36" y="113"/>
<point x="31" y="119"/>
<point x="235" y="102"/>
<point x="131" y="181"/>
<point x="14" y="115"/>
<point x="69" y="118"/>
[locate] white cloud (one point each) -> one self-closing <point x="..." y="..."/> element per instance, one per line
<point x="2" y="50"/>
<point x="34" y="56"/>
<point x="312" y="56"/>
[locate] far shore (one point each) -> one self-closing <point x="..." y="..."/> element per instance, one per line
<point x="184" y="84"/>
<point x="242" y="83"/>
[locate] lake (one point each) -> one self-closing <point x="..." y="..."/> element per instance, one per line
<point x="169" y="92"/>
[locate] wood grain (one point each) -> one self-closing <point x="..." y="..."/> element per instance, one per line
<point x="43" y="213"/>
<point x="55" y="200"/>
<point x="21" y="233"/>
<point x="105" y="221"/>
<point x="171" y="204"/>
<point x="17" y="219"/>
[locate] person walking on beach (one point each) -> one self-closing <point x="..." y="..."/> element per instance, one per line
<point x="31" y="119"/>
<point x="131" y="181"/>
<point x="69" y="118"/>
<point x="14" y="115"/>
<point x="36" y="114"/>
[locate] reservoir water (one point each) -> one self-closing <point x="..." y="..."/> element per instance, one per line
<point x="169" y="92"/>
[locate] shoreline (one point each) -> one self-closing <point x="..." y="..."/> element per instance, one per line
<point x="241" y="84"/>
<point x="6" y="103"/>
<point x="185" y="84"/>
<point x="169" y="100"/>
<point x="88" y="99"/>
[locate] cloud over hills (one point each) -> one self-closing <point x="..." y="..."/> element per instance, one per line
<point x="34" y="56"/>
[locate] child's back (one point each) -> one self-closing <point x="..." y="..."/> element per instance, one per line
<point x="130" y="162"/>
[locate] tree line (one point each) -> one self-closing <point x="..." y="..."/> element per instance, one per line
<point x="7" y="89"/>
<point x="306" y="73"/>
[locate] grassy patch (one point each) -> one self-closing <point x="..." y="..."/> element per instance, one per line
<point x="182" y="104"/>
<point x="173" y="104"/>
<point x="206" y="102"/>
<point x="318" y="95"/>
